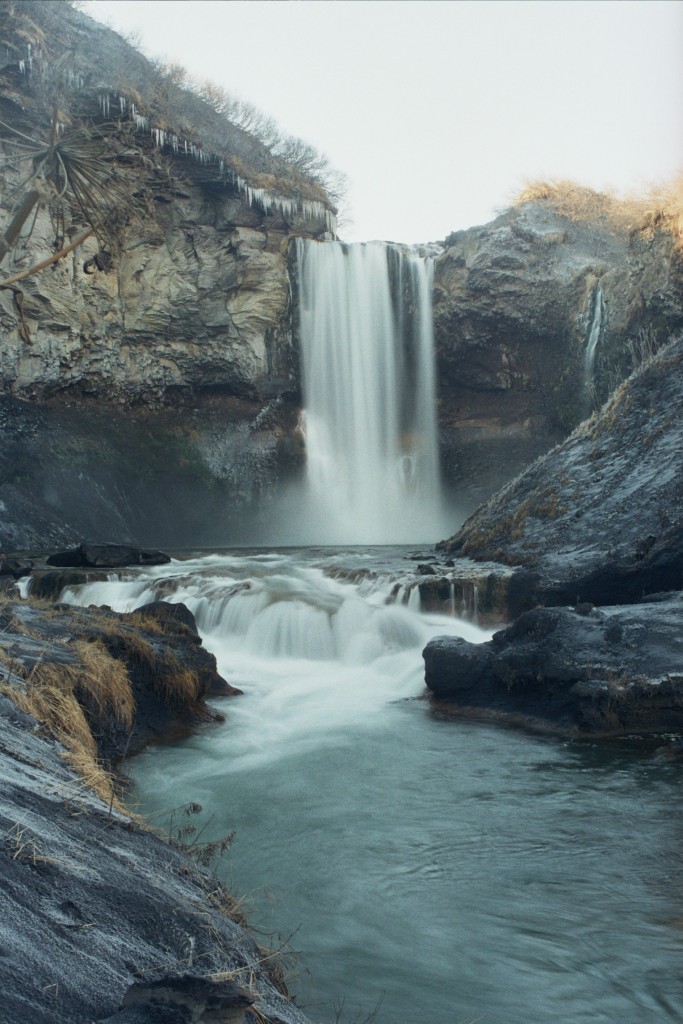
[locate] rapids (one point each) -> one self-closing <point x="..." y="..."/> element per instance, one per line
<point x="452" y="871"/>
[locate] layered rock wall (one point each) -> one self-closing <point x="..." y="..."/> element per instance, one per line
<point x="196" y="300"/>
<point x="149" y="380"/>
<point x="516" y="305"/>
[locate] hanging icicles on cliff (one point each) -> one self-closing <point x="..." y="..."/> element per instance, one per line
<point x="365" y="328"/>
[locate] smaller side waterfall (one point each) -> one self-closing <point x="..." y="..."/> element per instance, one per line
<point x="593" y="339"/>
<point x="369" y="395"/>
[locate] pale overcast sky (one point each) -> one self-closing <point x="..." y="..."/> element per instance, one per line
<point x="439" y="110"/>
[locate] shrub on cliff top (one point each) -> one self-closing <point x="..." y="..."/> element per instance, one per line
<point x="659" y="208"/>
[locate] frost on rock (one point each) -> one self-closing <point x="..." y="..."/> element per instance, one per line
<point x="309" y="209"/>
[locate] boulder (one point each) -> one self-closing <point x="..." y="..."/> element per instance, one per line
<point x="15" y="567"/>
<point x="107" y="556"/>
<point x="610" y="671"/>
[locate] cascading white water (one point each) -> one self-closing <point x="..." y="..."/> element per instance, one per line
<point x="318" y="657"/>
<point x="593" y="338"/>
<point x="365" y="329"/>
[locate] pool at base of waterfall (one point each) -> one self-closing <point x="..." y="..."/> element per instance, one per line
<point x="430" y="869"/>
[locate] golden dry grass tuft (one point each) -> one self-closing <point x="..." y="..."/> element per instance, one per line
<point x="57" y="709"/>
<point x="176" y="684"/>
<point x="50" y="695"/>
<point x="106" y="681"/>
<point x="659" y="208"/>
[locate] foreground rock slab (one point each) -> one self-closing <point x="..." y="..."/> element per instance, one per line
<point x="91" y="902"/>
<point x="612" y="672"/>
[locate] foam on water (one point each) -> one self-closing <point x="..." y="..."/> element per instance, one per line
<point x="316" y="656"/>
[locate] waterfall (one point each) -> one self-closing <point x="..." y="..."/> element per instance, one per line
<point x="593" y="339"/>
<point x="365" y="329"/>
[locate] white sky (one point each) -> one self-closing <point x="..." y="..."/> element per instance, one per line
<point x="439" y="110"/>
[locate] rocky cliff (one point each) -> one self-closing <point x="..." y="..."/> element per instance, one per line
<point x="185" y="288"/>
<point x="150" y="378"/>
<point x="598" y="521"/>
<point x="157" y="356"/>
<point x="600" y="518"/>
<point x="537" y="316"/>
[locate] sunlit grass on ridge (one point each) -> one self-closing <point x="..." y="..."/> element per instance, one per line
<point x="658" y="208"/>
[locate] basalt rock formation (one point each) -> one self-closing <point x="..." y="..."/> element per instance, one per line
<point x="537" y="316"/>
<point x="597" y="521"/>
<point x="612" y="671"/>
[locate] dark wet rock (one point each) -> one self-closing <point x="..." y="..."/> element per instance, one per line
<point x="600" y="518"/>
<point x="15" y="567"/>
<point x="91" y="901"/>
<point x="106" y="556"/>
<point x="49" y="585"/>
<point x="165" y="612"/>
<point x="610" y="671"/>
<point x="486" y="593"/>
<point x="170" y="672"/>
<point x="185" y="999"/>
<point x="514" y="304"/>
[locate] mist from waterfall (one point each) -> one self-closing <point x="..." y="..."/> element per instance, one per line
<point x="369" y="420"/>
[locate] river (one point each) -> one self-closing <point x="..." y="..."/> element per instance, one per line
<point x="430" y="869"/>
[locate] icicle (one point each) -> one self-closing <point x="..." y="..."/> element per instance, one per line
<point x="22" y="66"/>
<point x="122" y="104"/>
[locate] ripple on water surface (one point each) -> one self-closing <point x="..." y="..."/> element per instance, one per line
<point x="457" y="871"/>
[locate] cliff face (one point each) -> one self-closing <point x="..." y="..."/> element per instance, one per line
<point x="185" y="289"/>
<point x="518" y="303"/>
<point x="197" y="301"/>
<point x="156" y="359"/>
<point x="599" y="518"/>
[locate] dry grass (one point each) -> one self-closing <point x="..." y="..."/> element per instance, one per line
<point x="149" y="624"/>
<point x="58" y="710"/>
<point x="176" y="684"/>
<point x="106" y="682"/>
<point x="660" y="208"/>
<point x="50" y="696"/>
